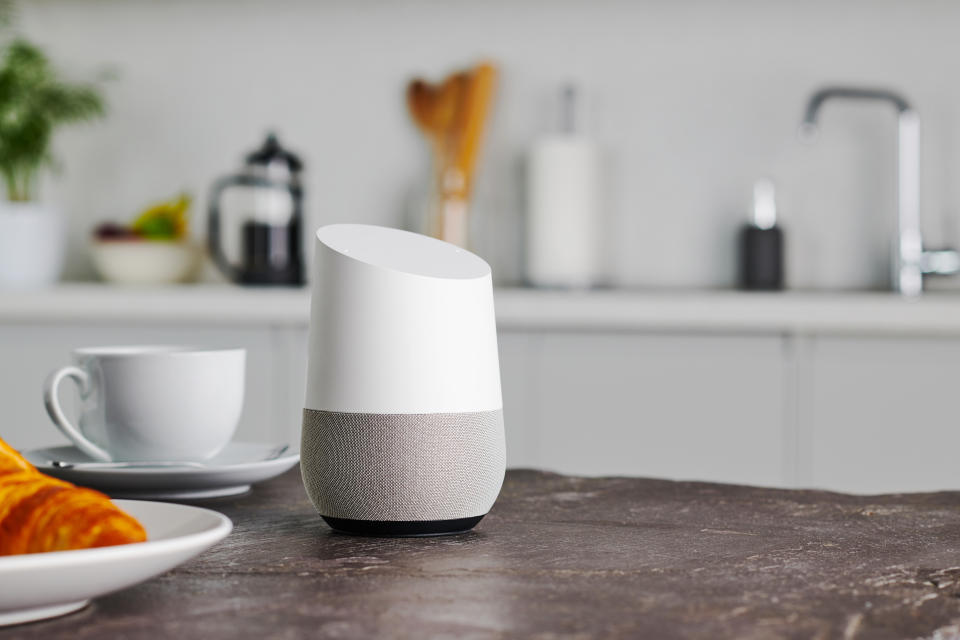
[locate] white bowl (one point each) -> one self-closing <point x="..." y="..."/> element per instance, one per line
<point x="144" y="261"/>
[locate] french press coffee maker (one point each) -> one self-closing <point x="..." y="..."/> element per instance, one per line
<point x="255" y="219"/>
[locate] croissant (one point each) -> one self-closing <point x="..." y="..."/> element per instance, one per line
<point x="39" y="513"/>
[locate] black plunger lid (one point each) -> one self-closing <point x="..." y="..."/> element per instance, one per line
<point x="271" y="151"/>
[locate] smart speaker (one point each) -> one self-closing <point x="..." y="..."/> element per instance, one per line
<point x="403" y="420"/>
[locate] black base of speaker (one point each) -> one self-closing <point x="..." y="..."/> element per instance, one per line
<point x="402" y="529"/>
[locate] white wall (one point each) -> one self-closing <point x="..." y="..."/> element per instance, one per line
<point x="693" y="100"/>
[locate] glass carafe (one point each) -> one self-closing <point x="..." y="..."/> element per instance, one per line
<point x="255" y="219"/>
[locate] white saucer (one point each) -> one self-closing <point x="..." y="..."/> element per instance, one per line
<point x="44" y="585"/>
<point x="230" y="472"/>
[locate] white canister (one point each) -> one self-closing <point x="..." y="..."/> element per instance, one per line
<point x="563" y="212"/>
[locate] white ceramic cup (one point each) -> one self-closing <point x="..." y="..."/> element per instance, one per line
<point x="144" y="403"/>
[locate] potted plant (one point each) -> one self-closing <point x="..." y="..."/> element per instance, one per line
<point x="34" y="102"/>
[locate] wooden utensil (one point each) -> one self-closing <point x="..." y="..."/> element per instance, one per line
<point x="434" y="108"/>
<point x="472" y="119"/>
<point x="452" y="115"/>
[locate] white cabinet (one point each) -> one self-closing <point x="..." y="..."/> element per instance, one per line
<point x="682" y="406"/>
<point x="663" y="405"/>
<point x="839" y="392"/>
<point x="883" y="414"/>
<point x="846" y="413"/>
<point x="520" y="397"/>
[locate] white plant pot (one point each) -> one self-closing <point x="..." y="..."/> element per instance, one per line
<point x="32" y="243"/>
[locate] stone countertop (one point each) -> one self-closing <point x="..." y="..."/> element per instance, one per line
<point x="565" y="557"/>
<point x="518" y="309"/>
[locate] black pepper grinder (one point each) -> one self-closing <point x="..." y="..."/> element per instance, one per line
<point x="761" y="243"/>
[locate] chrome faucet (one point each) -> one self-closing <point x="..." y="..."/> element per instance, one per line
<point x="910" y="260"/>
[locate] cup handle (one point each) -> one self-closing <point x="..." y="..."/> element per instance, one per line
<point x="52" y="403"/>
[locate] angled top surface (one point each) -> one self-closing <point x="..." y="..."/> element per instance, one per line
<point x="403" y="251"/>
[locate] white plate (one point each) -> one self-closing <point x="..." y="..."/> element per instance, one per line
<point x="43" y="585"/>
<point x="230" y="472"/>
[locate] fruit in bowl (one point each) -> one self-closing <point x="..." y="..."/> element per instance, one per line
<point x="154" y="249"/>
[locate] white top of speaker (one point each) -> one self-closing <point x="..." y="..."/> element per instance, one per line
<point x="402" y="251"/>
<point x="400" y="323"/>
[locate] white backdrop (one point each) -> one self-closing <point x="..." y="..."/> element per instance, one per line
<point x="692" y="99"/>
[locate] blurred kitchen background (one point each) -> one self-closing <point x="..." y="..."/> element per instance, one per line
<point x="665" y="368"/>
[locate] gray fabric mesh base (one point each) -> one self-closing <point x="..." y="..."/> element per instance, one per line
<point x="401" y="467"/>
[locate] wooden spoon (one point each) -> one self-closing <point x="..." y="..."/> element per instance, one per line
<point x="451" y="116"/>
<point x="421" y="98"/>
<point x="436" y="109"/>
<point x="472" y="118"/>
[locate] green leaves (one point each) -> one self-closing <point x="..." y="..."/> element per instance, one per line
<point x="34" y="101"/>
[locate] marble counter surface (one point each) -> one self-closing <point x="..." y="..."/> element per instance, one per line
<point x="565" y="557"/>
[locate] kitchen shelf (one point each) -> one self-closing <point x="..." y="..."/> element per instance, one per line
<point x="175" y="304"/>
<point x="730" y="311"/>
<point x="517" y="309"/>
